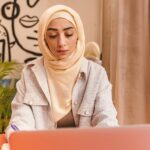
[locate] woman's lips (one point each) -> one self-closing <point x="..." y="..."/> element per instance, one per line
<point x="62" y="52"/>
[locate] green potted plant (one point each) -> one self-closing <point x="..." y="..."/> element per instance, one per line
<point x="7" y="90"/>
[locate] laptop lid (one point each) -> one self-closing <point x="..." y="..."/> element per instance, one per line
<point x="119" y="138"/>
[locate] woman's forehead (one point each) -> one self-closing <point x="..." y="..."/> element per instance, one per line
<point x="60" y="23"/>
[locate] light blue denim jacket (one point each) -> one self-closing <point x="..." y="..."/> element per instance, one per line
<point x="92" y="104"/>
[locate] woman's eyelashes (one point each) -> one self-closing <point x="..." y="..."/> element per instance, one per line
<point x="52" y="36"/>
<point x="67" y="35"/>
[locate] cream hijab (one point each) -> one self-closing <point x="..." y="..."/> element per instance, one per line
<point x="61" y="74"/>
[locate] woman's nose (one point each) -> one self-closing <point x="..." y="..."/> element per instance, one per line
<point x="61" y="41"/>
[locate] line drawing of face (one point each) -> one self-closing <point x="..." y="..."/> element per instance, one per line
<point x="23" y="25"/>
<point x="4" y="44"/>
<point x="61" y="38"/>
<point x="32" y="3"/>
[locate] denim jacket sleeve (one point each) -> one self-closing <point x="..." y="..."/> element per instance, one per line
<point x="22" y="116"/>
<point x="104" y="110"/>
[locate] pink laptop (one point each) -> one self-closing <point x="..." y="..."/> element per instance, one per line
<point x="119" y="138"/>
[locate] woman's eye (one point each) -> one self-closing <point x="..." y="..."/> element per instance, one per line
<point x="52" y="36"/>
<point x="69" y="35"/>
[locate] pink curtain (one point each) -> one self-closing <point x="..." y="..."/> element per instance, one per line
<point x="126" y="57"/>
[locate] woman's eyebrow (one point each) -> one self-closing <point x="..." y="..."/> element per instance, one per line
<point x="68" y="28"/>
<point x="55" y="29"/>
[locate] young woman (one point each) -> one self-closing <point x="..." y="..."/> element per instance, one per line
<point x="62" y="88"/>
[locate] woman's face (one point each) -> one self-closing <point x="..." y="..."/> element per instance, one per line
<point x="61" y="38"/>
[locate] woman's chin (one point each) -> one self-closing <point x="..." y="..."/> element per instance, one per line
<point x="62" y="57"/>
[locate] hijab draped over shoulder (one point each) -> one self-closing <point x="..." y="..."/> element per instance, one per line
<point x="61" y="74"/>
